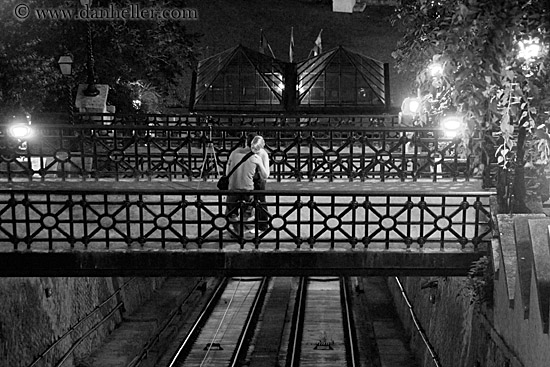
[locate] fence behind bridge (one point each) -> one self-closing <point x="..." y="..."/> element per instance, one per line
<point x="145" y="148"/>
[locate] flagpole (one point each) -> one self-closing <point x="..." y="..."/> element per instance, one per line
<point x="318" y="46"/>
<point x="291" y="48"/>
<point x="264" y="43"/>
<point x="261" y="40"/>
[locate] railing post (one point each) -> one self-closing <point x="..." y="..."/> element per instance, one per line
<point x="290" y="100"/>
<point x="387" y="96"/>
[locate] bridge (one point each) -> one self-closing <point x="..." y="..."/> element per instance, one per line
<point x="135" y="195"/>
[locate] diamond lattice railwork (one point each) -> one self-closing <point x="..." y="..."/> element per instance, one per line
<point x="138" y="219"/>
<point x="185" y="151"/>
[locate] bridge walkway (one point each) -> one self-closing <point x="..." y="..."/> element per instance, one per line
<point x="179" y="228"/>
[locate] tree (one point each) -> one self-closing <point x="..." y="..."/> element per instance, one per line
<point x="156" y="53"/>
<point x="485" y="78"/>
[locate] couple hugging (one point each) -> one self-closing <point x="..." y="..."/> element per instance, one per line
<point x="249" y="168"/>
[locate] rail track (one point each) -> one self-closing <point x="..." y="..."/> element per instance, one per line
<point x="323" y="327"/>
<point x="218" y="337"/>
<point x="321" y="331"/>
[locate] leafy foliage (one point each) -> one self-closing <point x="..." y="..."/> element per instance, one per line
<point x="479" y="44"/>
<point x="479" y="284"/>
<point x="149" y="52"/>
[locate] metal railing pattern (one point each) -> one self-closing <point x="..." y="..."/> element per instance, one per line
<point x="181" y="152"/>
<point x="137" y="219"/>
<point x="234" y="120"/>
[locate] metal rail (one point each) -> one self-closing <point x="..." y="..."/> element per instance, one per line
<point x="188" y="341"/>
<point x="86" y="317"/>
<point x="294" y="352"/>
<point x="144" y="152"/>
<point x="87" y="333"/>
<point x="251" y="320"/>
<point x="418" y="326"/>
<point x="153" y="340"/>
<point x="244" y="337"/>
<point x="138" y="219"/>
<point x="226" y="119"/>
<point x="349" y="325"/>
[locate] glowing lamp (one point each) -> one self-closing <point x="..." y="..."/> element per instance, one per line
<point x="410" y="106"/>
<point x="20" y="131"/>
<point x="529" y="49"/>
<point x="435" y="69"/>
<point x="451" y="124"/>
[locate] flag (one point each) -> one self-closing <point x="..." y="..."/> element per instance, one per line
<point x="291" y="48"/>
<point x="318" y="47"/>
<point x="264" y="45"/>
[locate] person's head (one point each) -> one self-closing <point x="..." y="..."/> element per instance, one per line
<point x="256" y="143"/>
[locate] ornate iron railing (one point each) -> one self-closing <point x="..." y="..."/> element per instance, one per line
<point x="183" y="152"/>
<point x="234" y="120"/>
<point x="160" y="218"/>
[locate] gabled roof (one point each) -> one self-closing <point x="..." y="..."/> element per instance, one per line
<point x="209" y="69"/>
<point x="242" y="79"/>
<point x="270" y="69"/>
<point x="371" y="70"/>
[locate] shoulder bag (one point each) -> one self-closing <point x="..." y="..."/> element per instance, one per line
<point x="223" y="183"/>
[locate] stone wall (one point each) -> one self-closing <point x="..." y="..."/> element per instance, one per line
<point x="461" y="332"/>
<point x="36" y="312"/>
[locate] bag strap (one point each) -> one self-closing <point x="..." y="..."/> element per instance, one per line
<point x="244" y="159"/>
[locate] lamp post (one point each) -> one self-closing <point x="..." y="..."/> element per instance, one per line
<point x="91" y="90"/>
<point x="66" y="66"/>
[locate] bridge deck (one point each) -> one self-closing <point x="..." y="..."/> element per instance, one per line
<point x="358" y="241"/>
<point x="390" y="186"/>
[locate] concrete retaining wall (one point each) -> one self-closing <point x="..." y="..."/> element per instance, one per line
<point x="461" y="333"/>
<point x="35" y="312"/>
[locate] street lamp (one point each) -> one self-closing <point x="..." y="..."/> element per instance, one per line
<point x="411" y="106"/>
<point x="65" y="63"/>
<point x="530" y="49"/>
<point x="435" y="69"/>
<point x="451" y="124"/>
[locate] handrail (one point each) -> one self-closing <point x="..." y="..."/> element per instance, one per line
<point x="128" y="187"/>
<point x="199" y="322"/>
<point x="79" y="340"/>
<point x="72" y="328"/>
<point x="418" y="326"/>
<point x="156" y="337"/>
<point x="141" y="152"/>
<point x="178" y="219"/>
<point x="244" y="128"/>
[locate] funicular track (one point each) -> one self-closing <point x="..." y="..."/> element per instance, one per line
<point x="219" y="336"/>
<point x="323" y="332"/>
